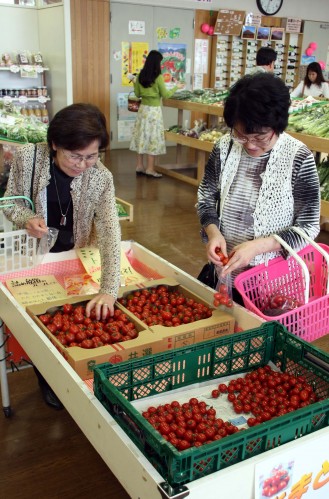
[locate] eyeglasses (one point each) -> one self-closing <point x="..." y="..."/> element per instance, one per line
<point x="78" y="158"/>
<point x="241" y="139"/>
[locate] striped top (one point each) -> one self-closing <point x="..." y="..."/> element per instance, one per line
<point x="237" y="220"/>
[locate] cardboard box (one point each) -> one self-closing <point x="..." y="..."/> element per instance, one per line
<point x="219" y="324"/>
<point x="150" y="341"/>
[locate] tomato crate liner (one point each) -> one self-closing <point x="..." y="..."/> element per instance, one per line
<point x="310" y="287"/>
<point x="218" y="324"/>
<point x="119" y="386"/>
<point x="149" y="341"/>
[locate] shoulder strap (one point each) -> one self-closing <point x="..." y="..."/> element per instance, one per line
<point x="33" y="172"/>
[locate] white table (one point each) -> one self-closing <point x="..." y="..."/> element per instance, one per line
<point x="113" y="445"/>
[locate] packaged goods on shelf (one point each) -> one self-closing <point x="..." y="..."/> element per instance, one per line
<point x="21" y="128"/>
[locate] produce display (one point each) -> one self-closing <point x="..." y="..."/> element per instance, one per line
<point x="203" y="96"/>
<point x="161" y="306"/>
<point x="22" y="128"/>
<point x="73" y="328"/>
<point x="261" y="395"/>
<point x="188" y="424"/>
<point x="199" y="131"/>
<point x="312" y="121"/>
<point x="323" y="171"/>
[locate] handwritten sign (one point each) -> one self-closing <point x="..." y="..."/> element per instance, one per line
<point x="90" y="259"/>
<point x="292" y="25"/>
<point x="33" y="290"/>
<point x="229" y="22"/>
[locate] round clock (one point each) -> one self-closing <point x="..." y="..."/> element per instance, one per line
<point x="269" y="7"/>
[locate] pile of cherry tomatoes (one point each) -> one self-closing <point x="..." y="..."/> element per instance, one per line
<point x="73" y="328"/>
<point x="161" y="306"/>
<point x="190" y="424"/>
<point x="266" y="394"/>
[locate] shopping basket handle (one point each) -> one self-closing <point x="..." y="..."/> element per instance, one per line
<point x="317" y="247"/>
<point x="301" y="263"/>
<point x="9" y="198"/>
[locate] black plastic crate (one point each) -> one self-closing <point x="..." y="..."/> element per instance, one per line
<point x="116" y="385"/>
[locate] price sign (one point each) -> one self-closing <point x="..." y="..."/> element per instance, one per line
<point x="14" y="68"/>
<point x="42" y="99"/>
<point x="22" y="99"/>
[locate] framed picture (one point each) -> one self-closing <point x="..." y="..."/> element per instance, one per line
<point x="277" y="34"/>
<point x="248" y="32"/>
<point x="263" y="33"/>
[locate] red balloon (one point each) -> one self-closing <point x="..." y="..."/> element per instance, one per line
<point x="211" y="30"/>
<point x="205" y="27"/>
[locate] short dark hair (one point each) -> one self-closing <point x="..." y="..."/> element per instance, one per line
<point x="257" y="101"/>
<point x="76" y="126"/>
<point x="151" y="69"/>
<point x="265" y="56"/>
<point x="315" y="68"/>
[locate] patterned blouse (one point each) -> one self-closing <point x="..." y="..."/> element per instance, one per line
<point x="237" y="220"/>
<point x="95" y="217"/>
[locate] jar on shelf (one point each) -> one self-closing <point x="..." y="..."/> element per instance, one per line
<point x="44" y="91"/>
<point x="37" y="112"/>
<point x="44" y="114"/>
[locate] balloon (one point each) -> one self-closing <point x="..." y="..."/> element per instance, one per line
<point x="309" y="51"/>
<point x="211" y="30"/>
<point x="313" y="45"/>
<point x="205" y="27"/>
<point x="323" y="65"/>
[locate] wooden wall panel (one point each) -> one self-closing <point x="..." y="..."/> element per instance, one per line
<point x="90" y="38"/>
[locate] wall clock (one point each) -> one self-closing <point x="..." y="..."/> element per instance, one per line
<point x="269" y="7"/>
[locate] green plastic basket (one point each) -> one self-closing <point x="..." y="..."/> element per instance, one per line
<point x="116" y="385"/>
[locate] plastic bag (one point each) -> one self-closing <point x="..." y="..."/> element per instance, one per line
<point x="223" y="295"/>
<point x="278" y="304"/>
<point x="45" y="244"/>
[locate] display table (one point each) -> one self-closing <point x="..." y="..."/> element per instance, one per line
<point x="113" y="445"/>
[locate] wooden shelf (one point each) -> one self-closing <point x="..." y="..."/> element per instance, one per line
<point x="314" y="143"/>
<point x="212" y="109"/>
<point x="200" y="145"/>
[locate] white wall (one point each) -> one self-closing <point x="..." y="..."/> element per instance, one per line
<point x="18" y="29"/>
<point x="52" y="42"/>
<point x="315" y="10"/>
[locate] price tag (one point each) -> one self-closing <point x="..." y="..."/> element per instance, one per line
<point x="42" y="99"/>
<point x="7" y="99"/>
<point x="22" y="99"/>
<point x="39" y="69"/>
<point x="14" y="68"/>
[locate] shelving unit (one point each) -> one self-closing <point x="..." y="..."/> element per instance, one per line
<point x="232" y="57"/>
<point x="24" y="90"/>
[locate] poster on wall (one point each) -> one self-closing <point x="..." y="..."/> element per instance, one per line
<point x="133" y="55"/>
<point x="136" y="27"/>
<point x="201" y="48"/>
<point x="173" y="64"/>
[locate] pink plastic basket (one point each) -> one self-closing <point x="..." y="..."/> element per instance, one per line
<point x="309" y="321"/>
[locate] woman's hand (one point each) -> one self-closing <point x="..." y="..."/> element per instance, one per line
<point x="36" y="227"/>
<point x="215" y="240"/>
<point x="180" y="85"/>
<point x="243" y="253"/>
<point x="103" y="305"/>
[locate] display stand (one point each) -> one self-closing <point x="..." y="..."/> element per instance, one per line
<point x="110" y="441"/>
<point x="201" y="148"/>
